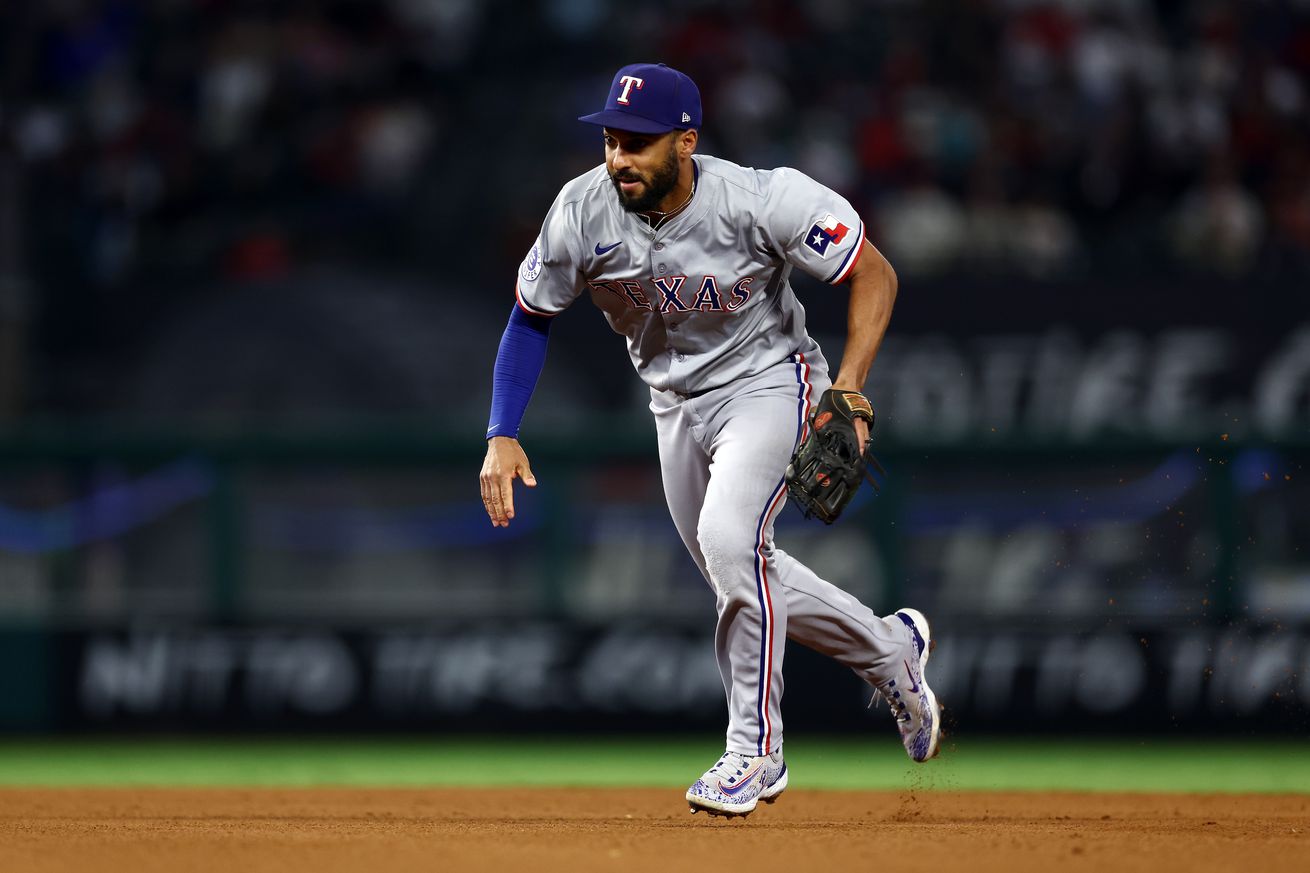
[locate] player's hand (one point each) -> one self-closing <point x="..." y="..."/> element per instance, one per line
<point x="505" y="460"/>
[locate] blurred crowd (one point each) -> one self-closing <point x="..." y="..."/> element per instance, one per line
<point x="1032" y="137"/>
<point x="998" y="134"/>
<point x="154" y="145"/>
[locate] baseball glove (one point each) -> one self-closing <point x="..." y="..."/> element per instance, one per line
<point x="829" y="464"/>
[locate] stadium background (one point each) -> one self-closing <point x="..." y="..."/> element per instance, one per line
<point x="254" y="263"/>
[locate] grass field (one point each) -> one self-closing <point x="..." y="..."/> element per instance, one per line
<point x="1152" y="764"/>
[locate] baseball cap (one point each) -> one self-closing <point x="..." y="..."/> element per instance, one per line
<point x="649" y="98"/>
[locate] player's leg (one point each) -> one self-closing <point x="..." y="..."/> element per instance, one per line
<point x="753" y="432"/>
<point x="685" y="470"/>
<point x="887" y="653"/>
<point x="737" y="781"/>
<point x="684" y="467"/>
<point x="825" y="618"/>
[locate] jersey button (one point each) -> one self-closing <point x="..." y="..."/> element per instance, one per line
<point x="673" y="327"/>
<point x="660" y="268"/>
<point x="659" y="247"/>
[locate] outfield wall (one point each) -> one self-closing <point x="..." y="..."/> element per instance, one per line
<point x="281" y="582"/>
<point x="1100" y="500"/>
<point x="551" y="676"/>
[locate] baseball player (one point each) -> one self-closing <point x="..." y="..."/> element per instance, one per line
<point x="688" y="257"/>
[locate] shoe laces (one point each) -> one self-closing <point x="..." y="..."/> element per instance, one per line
<point x="890" y="693"/>
<point x="731" y="767"/>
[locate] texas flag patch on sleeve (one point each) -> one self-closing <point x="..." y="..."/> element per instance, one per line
<point x="825" y="233"/>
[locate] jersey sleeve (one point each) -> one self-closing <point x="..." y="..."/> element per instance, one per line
<point x="812" y="226"/>
<point x="549" y="278"/>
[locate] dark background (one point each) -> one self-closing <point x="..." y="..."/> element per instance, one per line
<point x="255" y="259"/>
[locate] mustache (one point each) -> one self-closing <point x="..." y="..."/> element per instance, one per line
<point x="626" y="176"/>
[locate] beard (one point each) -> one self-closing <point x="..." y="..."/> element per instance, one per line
<point x="662" y="180"/>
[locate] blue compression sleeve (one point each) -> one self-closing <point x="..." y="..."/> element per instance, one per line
<point x="518" y="364"/>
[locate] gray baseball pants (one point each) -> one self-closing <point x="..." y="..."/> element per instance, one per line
<point x="722" y="454"/>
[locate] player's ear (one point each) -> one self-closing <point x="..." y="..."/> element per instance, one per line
<point x="687" y="142"/>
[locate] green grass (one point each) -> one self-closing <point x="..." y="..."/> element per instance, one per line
<point x="874" y="763"/>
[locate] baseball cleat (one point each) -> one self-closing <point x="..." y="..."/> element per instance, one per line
<point x="917" y="712"/>
<point x="736" y="783"/>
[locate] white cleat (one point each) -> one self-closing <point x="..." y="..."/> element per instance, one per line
<point x="915" y="707"/>
<point x="737" y="783"/>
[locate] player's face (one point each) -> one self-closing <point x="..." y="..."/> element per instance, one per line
<point x="642" y="166"/>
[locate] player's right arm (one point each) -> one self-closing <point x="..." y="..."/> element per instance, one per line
<point x="548" y="283"/>
<point x="519" y="362"/>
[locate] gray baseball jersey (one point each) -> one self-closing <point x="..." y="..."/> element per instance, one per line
<point x="705" y="299"/>
<point x="713" y="326"/>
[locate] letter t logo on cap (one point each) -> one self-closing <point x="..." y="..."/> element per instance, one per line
<point x="628" y="82"/>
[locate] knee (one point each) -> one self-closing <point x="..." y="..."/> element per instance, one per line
<point x="730" y="554"/>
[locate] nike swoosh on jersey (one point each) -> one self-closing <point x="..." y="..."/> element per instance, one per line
<point x="602" y="250"/>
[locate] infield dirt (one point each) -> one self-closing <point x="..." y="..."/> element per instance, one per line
<point x="542" y="831"/>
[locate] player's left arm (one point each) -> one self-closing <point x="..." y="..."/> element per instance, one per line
<point x="816" y="229"/>
<point x="873" y="293"/>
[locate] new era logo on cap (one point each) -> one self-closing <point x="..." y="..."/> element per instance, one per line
<point x="650" y="98"/>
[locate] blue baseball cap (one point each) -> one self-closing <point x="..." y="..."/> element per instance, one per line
<point x="649" y="98"/>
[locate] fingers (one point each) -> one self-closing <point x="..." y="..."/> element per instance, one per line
<point x="494" y="487"/>
<point x="498" y="486"/>
<point x="491" y="499"/>
<point x="498" y="495"/>
<point x="506" y="485"/>
<point x="524" y="472"/>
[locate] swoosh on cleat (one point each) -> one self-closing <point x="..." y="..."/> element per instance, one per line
<point x="914" y="686"/>
<point x="745" y="780"/>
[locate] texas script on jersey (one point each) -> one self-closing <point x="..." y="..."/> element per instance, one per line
<point x="668" y="292"/>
